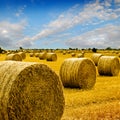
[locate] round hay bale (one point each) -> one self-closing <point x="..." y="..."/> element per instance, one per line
<point x="73" y="54"/>
<point x="118" y="54"/>
<point x="32" y="54"/>
<point x="108" y="65"/>
<point x="15" y="57"/>
<point x="30" y="91"/>
<point x="36" y="54"/>
<point x="64" y="52"/>
<point x="51" y="57"/>
<point x="96" y="57"/>
<point x="42" y="55"/>
<point x="23" y="54"/>
<point x="78" y="73"/>
<point x="80" y="55"/>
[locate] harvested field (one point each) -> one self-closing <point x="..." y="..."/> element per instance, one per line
<point x="99" y="103"/>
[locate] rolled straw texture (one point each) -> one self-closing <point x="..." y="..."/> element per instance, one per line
<point x="108" y="65"/>
<point x="23" y="54"/>
<point x="51" y="57"/>
<point x="78" y="73"/>
<point x="29" y="91"/>
<point x="96" y="57"/>
<point x="15" y="57"/>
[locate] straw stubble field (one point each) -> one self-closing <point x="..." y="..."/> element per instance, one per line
<point x="102" y="102"/>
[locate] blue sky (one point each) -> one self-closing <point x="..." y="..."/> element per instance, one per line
<point x="59" y="24"/>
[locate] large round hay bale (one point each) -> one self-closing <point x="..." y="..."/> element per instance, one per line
<point x="108" y="65"/>
<point x="96" y="57"/>
<point x="51" y="57"/>
<point x="23" y="54"/>
<point x="15" y="57"/>
<point x="78" y="73"/>
<point x="29" y="91"/>
<point x="42" y="55"/>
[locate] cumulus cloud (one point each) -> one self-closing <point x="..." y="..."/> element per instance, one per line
<point x="101" y="38"/>
<point x="91" y="14"/>
<point x="10" y="33"/>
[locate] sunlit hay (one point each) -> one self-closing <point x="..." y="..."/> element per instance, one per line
<point x="78" y="73"/>
<point x="32" y="54"/>
<point x="23" y="54"/>
<point x="42" y="55"/>
<point x="96" y="57"/>
<point x="80" y="55"/>
<point x="30" y="91"/>
<point x="15" y="57"/>
<point x="118" y="54"/>
<point x="51" y="57"/>
<point x="108" y="65"/>
<point x="73" y="54"/>
<point x="64" y="52"/>
<point x="36" y="54"/>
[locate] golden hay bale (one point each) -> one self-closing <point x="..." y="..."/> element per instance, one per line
<point x="36" y="54"/>
<point x="29" y="91"/>
<point x="23" y="54"/>
<point x="96" y="57"/>
<point x="15" y="57"/>
<point x="64" y="52"/>
<point x="73" y="54"/>
<point x="118" y="54"/>
<point x="51" y="57"/>
<point x="32" y="54"/>
<point x="42" y="55"/>
<point x="108" y="65"/>
<point x="80" y="55"/>
<point x="78" y="72"/>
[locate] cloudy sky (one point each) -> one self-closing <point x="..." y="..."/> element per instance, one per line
<point x="59" y="24"/>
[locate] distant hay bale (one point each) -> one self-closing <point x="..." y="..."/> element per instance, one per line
<point x="15" y="57"/>
<point x="73" y="54"/>
<point x="36" y="54"/>
<point x="108" y="65"/>
<point x="96" y="57"/>
<point x="51" y="57"/>
<point x="118" y="54"/>
<point x="78" y="73"/>
<point x="32" y="54"/>
<point x="42" y="55"/>
<point x="29" y="91"/>
<point x="23" y="54"/>
<point x="64" y="52"/>
<point x="80" y="55"/>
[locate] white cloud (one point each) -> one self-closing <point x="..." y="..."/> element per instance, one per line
<point x="107" y="36"/>
<point x="75" y="16"/>
<point x="91" y="14"/>
<point x="117" y="1"/>
<point x="10" y="33"/>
